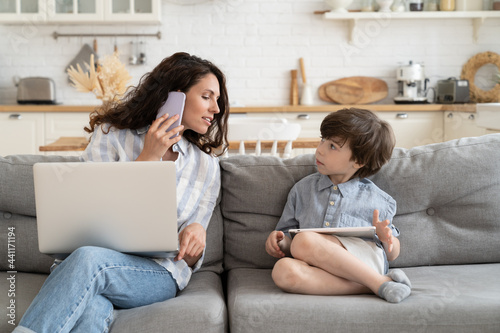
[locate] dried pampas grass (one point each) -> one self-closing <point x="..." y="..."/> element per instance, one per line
<point x="108" y="82"/>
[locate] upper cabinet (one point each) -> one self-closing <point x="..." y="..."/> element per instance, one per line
<point x="21" y="10"/>
<point x="75" y="10"/>
<point x="80" y="11"/>
<point x="132" y="10"/>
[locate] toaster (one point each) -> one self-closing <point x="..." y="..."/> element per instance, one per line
<point x="36" y="90"/>
<point x="452" y="91"/>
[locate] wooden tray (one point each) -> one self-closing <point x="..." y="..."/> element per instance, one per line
<point x="353" y="90"/>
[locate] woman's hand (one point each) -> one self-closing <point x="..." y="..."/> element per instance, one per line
<point x="157" y="141"/>
<point x="192" y="241"/>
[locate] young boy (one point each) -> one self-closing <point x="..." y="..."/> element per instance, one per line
<point x="355" y="144"/>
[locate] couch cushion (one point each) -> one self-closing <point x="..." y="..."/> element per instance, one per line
<point x="447" y="196"/>
<point x="203" y="296"/>
<point x="254" y="194"/>
<point x="441" y="301"/>
<point x="27" y="256"/>
<point x="16" y="181"/>
<point x="26" y="288"/>
<point x="200" y="307"/>
<point x="214" y="245"/>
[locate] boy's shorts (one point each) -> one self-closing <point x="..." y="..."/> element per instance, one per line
<point x="366" y="251"/>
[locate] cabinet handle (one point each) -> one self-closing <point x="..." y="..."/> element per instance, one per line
<point x="450" y="115"/>
<point x="303" y="116"/>
<point x="402" y="115"/>
<point x="16" y="116"/>
<point x="471" y="117"/>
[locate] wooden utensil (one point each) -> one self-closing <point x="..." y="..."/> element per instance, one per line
<point x="354" y="90"/>
<point x="294" y="88"/>
<point x="307" y="95"/>
<point x="303" y="70"/>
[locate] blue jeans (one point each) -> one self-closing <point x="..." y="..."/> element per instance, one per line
<point x="80" y="294"/>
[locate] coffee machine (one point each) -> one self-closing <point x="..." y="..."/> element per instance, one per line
<point x="412" y="84"/>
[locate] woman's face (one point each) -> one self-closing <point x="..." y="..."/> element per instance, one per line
<point x="201" y="104"/>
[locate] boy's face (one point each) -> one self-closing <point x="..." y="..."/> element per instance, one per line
<point x="334" y="159"/>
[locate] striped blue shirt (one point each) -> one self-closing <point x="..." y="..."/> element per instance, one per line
<point x="198" y="182"/>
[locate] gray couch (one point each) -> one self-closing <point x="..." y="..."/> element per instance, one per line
<point x="448" y="213"/>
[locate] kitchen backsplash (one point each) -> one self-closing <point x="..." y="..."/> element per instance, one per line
<point x="256" y="43"/>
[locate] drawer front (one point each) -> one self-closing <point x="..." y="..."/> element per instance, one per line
<point x="415" y="128"/>
<point x="58" y="124"/>
<point x="309" y="122"/>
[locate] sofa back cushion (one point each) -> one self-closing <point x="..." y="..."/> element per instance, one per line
<point x="447" y="195"/>
<point x="17" y="210"/>
<point x="254" y="192"/>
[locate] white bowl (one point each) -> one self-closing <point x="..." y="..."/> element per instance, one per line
<point x="338" y="6"/>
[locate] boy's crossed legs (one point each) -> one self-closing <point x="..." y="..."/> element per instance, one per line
<point x="322" y="266"/>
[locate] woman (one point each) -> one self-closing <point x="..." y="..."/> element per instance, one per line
<point x="81" y="292"/>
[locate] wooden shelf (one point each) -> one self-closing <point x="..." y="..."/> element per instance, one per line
<point x="478" y="18"/>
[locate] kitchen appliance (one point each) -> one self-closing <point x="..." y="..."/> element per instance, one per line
<point x="412" y="84"/>
<point x="453" y="91"/>
<point x="36" y="90"/>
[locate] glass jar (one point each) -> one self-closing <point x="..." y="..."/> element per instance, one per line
<point x="367" y="6"/>
<point x="431" y="5"/>
<point x="447" y="5"/>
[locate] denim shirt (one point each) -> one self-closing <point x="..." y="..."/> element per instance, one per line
<point x="315" y="202"/>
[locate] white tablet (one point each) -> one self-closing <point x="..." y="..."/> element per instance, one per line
<point x="365" y="232"/>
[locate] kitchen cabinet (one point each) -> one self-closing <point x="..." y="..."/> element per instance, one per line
<point x="75" y="10"/>
<point x="415" y="128"/>
<point x="21" y="11"/>
<point x="21" y="133"/>
<point x="58" y="124"/>
<point x="309" y="122"/>
<point x="132" y="10"/>
<point x="461" y="124"/>
<point x="25" y="132"/>
<point x="410" y="128"/>
<point x="80" y="11"/>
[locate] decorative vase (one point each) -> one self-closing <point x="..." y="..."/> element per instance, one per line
<point x="385" y="5"/>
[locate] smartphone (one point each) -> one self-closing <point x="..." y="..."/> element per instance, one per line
<point x="173" y="105"/>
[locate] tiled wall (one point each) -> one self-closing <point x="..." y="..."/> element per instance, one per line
<point x="256" y="43"/>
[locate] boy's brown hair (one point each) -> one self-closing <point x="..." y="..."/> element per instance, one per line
<point x="370" y="138"/>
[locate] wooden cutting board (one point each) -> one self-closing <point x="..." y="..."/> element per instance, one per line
<point x="353" y="90"/>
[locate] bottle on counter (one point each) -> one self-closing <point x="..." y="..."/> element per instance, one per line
<point x="496" y="5"/>
<point x="447" y="5"/>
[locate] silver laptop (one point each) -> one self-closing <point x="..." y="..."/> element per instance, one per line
<point x="130" y="207"/>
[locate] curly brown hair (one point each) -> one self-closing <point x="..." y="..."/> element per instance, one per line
<point x="140" y="105"/>
<point x="370" y="138"/>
